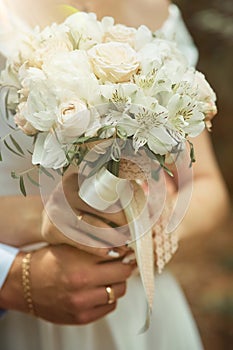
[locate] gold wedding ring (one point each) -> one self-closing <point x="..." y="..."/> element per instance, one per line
<point x="111" y="295"/>
<point x="79" y="216"/>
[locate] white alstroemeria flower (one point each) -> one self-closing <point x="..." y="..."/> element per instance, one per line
<point x="114" y="62"/>
<point x="48" y="152"/>
<point x="41" y="106"/>
<point x="73" y="118"/>
<point x="199" y="83"/>
<point x="143" y="37"/>
<point x="121" y="33"/>
<point x="148" y="126"/>
<point x="155" y="82"/>
<point x="94" y="124"/>
<point x="185" y="117"/>
<point x="118" y="100"/>
<point x="119" y="94"/>
<point x="85" y="29"/>
<point x="160" y="53"/>
<point x="204" y="93"/>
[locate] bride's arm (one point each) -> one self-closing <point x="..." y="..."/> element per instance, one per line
<point x="20" y="220"/>
<point x="209" y="203"/>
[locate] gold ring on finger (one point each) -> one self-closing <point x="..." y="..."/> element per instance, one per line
<point x="110" y="294"/>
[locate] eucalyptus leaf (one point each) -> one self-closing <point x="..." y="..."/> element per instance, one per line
<point x="46" y="172"/>
<point x="17" y="146"/>
<point x="14" y="175"/>
<point x="33" y="182"/>
<point x="11" y="149"/>
<point x="192" y="153"/>
<point x="22" y="186"/>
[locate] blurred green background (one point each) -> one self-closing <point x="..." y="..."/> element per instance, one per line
<point x="205" y="267"/>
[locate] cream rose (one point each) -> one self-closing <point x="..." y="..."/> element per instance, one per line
<point x="114" y="62"/>
<point x="121" y="33"/>
<point x="73" y="119"/>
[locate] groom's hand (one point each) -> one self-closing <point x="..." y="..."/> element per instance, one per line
<point x="68" y="286"/>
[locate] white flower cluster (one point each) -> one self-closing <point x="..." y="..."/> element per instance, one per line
<point x="80" y="76"/>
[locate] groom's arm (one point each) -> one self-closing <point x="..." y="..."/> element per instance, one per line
<point x="7" y="257"/>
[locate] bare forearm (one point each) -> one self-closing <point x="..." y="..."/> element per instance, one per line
<point x="209" y="205"/>
<point x="20" y="220"/>
<point x="208" y="208"/>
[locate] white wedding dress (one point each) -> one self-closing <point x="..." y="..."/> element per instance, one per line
<point x="172" y="326"/>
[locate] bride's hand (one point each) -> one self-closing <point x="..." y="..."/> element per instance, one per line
<point x="67" y="219"/>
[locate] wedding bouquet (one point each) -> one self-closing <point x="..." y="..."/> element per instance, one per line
<point x="75" y="84"/>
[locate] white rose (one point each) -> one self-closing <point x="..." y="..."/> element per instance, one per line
<point x="114" y="62"/>
<point x="48" y="43"/>
<point x="67" y="68"/>
<point x="121" y="33"/>
<point x="73" y="119"/>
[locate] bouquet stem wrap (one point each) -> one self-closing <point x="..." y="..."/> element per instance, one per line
<point x="103" y="190"/>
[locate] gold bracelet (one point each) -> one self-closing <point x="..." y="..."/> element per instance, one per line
<point x="26" y="267"/>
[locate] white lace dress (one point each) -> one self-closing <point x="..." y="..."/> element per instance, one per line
<point x="172" y="327"/>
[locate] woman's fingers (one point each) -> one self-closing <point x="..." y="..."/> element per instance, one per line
<point x="114" y="214"/>
<point x="85" y="232"/>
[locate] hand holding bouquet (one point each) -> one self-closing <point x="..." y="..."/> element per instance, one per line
<point x="95" y="95"/>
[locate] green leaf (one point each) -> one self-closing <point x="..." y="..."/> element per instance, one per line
<point x="17" y="146"/>
<point x="5" y="105"/>
<point x="60" y="172"/>
<point x="14" y="175"/>
<point x="168" y="171"/>
<point x="83" y="139"/>
<point x="34" y="182"/>
<point x="46" y="172"/>
<point x="121" y="133"/>
<point x="22" y="186"/>
<point x="104" y="128"/>
<point x="11" y="149"/>
<point x="192" y="153"/>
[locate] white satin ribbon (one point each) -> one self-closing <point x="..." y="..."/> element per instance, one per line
<point x="103" y="190"/>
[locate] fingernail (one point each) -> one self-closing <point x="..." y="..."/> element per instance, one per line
<point x="129" y="259"/>
<point x="113" y="254"/>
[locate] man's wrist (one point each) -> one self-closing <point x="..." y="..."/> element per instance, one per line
<point x="8" y="255"/>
